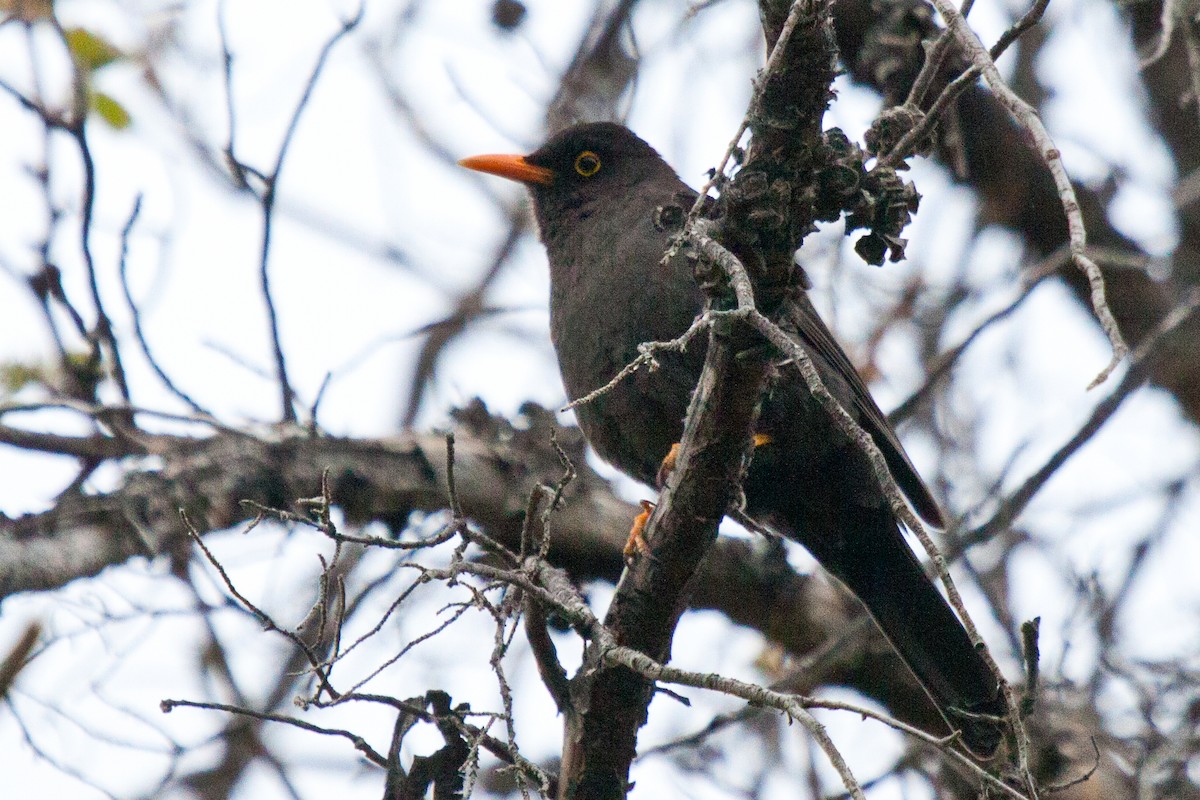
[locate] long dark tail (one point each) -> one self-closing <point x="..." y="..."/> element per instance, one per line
<point x="869" y="555"/>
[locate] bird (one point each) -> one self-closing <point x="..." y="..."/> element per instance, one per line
<point x="598" y="192"/>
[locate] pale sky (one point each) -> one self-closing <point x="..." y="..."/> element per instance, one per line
<point x="193" y="268"/>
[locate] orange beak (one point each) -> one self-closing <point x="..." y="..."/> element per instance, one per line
<point x="515" y="168"/>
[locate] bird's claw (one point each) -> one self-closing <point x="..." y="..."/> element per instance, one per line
<point x="636" y="544"/>
<point x="667" y="466"/>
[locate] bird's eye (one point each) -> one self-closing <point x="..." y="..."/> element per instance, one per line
<point x="587" y="163"/>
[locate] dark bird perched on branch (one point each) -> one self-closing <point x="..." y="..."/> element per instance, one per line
<point x="598" y="191"/>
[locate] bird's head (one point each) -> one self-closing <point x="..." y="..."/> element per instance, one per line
<point x="589" y="162"/>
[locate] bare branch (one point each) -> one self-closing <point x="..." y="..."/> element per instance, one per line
<point x="1028" y="118"/>
<point x="1018" y="500"/>
<point x="136" y="316"/>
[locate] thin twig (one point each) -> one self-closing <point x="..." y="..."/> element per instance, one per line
<point x="890" y="489"/>
<point x="773" y="61"/>
<point x="935" y="56"/>
<point x="267" y="202"/>
<point x="1027" y="117"/>
<point x="645" y="357"/>
<point x="360" y="744"/>
<point x="943" y="363"/>
<point x="905" y="146"/>
<point x="136" y="315"/>
<point x="932" y="67"/>
<point x="263" y="617"/>
<point x="1018" y="28"/>
<point x="794" y="706"/>
<point x="1018" y="500"/>
<point x="76" y="127"/>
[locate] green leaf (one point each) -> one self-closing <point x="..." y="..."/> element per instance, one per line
<point x="110" y="110"/>
<point x="16" y="375"/>
<point x="92" y="51"/>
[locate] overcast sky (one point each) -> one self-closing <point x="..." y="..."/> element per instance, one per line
<point x="355" y="175"/>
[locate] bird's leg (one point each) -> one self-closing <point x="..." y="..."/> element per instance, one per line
<point x="636" y="544"/>
<point x="667" y="466"/>
<point x="668" y="462"/>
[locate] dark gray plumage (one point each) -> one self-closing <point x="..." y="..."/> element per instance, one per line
<point x="596" y="191"/>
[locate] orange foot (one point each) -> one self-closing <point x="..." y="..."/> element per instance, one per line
<point x="636" y="545"/>
<point x="668" y="463"/>
<point x="667" y="466"/>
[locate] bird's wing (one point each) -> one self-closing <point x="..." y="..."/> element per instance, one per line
<point x="820" y="342"/>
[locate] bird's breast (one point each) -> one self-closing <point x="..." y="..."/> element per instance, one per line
<point x="610" y="292"/>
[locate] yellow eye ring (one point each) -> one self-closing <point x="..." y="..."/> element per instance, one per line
<point x="587" y="163"/>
